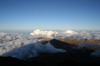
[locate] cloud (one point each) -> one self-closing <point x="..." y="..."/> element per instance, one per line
<point x="11" y="41"/>
<point x="48" y="34"/>
<point x="67" y="34"/>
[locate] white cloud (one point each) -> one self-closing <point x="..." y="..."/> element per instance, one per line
<point x="38" y="32"/>
<point x="67" y="34"/>
<point x="23" y="46"/>
<point x="11" y="41"/>
<point x="70" y="32"/>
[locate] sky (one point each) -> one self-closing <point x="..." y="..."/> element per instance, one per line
<point x="49" y="14"/>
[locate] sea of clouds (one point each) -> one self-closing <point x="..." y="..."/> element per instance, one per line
<point x="28" y="45"/>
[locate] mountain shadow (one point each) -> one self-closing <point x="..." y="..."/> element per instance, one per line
<point x="71" y="56"/>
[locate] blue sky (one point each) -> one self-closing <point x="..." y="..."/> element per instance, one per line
<point x="50" y="14"/>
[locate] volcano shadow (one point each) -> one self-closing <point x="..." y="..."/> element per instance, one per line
<point x="71" y="48"/>
<point x="71" y="56"/>
<point x="62" y="45"/>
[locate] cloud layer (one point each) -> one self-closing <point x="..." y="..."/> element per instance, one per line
<point x="21" y="43"/>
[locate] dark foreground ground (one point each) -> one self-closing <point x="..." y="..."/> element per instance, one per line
<point x="57" y="59"/>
